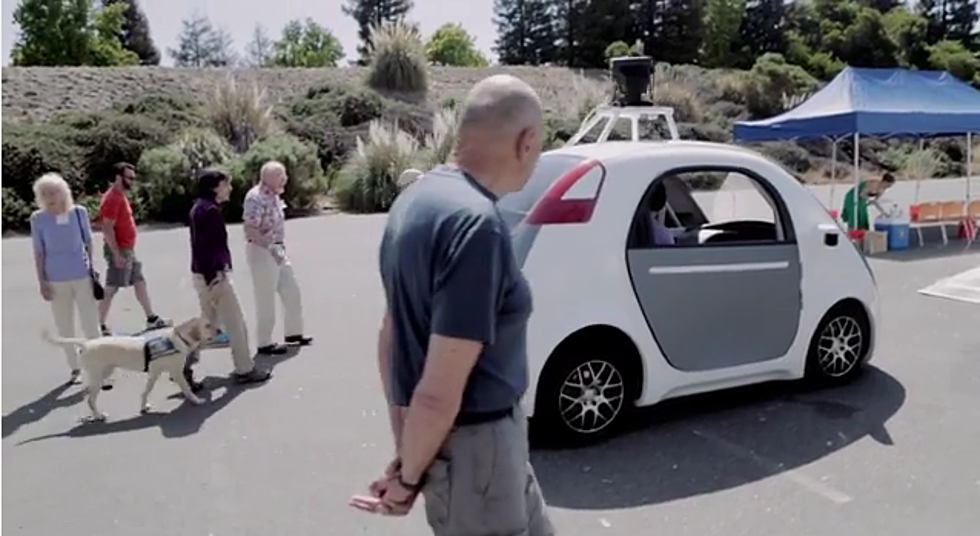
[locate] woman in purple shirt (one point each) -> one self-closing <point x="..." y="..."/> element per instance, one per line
<point x="62" y="238"/>
<point x="211" y="266"/>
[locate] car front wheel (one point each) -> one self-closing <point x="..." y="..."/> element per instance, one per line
<point x="584" y="396"/>
<point x="840" y="345"/>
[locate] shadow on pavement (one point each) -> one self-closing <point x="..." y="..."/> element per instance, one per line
<point x="715" y="442"/>
<point x="184" y="420"/>
<point x="40" y="408"/>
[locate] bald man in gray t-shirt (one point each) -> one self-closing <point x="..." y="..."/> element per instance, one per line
<point x="452" y="348"/>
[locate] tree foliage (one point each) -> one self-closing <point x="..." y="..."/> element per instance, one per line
<point x="200" y="44"/>
<point x="70" y="33"/>
<point x="370" y="14"/>
<point x="452" y="45"/>
<point x="135" y="34"/>
<point x="820" y="36"/>
<point x="306" y="44"/>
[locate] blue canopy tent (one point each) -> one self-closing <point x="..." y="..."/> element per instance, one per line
<point x="877" y="102"/>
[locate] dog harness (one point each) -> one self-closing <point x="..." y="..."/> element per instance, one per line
<point x="155" y="347"/>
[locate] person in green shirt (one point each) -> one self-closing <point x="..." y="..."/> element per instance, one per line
<point x="855" y="214"/>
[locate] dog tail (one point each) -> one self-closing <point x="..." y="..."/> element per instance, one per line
<point x="58" y="341"/>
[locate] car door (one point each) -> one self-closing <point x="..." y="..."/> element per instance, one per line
<point x="728" y="292"/>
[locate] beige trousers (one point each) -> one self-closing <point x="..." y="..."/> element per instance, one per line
<point x="67" y="296"/>
<point x="268" y="279"/>
<point x="220" y="306"/>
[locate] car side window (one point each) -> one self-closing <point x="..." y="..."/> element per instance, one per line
<point x="709" y="208"/>
<point x="622" y="130"/>
<point x="592" y="136"/>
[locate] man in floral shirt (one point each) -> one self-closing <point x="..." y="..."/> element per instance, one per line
<point x="271" y="270"/>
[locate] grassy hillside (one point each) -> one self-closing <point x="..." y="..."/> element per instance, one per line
<point x="78" y="121"/>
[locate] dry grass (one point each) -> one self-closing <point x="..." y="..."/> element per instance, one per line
<point x="240" y="113"/>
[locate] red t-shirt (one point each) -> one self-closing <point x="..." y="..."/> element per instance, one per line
<point x="115" y="206"/>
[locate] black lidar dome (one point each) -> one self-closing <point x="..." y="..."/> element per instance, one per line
<point x="632" y="75"/>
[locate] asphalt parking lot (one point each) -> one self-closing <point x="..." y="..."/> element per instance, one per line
<point x="893" y="453"/>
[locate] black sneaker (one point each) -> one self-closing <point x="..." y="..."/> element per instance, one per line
<point x="273" y="349"/>
<point x="299" y="340"/>
<point x="156" y="322"/>
<point x="256" y="375"/>
<point x="106" y="332"/>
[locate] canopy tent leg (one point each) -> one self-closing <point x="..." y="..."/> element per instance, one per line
<point x="969" y="166"/>
<point x="857" y="176"/>
<point x="918" y="180"/>
<point x="833" y="169"/>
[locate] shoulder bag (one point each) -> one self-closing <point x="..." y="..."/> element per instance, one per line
<point x="97" y="290"/>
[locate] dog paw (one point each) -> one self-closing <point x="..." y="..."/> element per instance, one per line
<point x="196" y="400"/>
<point x="94" y="418"/>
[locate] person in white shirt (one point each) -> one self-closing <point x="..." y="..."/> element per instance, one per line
<point x="265" y="253"/>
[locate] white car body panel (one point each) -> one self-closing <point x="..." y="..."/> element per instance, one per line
<point x="591" y="286"/>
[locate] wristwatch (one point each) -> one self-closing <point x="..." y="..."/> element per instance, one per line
<point x="414" y="488"/>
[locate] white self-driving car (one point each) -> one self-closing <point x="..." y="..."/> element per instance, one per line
<point x="661" y="270"/>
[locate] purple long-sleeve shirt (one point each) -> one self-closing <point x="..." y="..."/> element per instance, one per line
<point x="209" y="240"/>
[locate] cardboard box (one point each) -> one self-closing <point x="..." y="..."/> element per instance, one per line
<point x="875" y="242"/>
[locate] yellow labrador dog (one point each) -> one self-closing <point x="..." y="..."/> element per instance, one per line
<point x="165" y="352"/>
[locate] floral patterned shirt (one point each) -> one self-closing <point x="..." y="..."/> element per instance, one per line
<point x="264" y="211"/>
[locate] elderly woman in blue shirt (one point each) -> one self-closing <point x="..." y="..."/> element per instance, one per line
<point x="62" y="238"/>
<point x="211" y="266"/>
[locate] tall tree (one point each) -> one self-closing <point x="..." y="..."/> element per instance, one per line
<point x="200" y="44"/>
<point x="258" y="51"/>
<point x="52" y="32"/>
<point x="306" y="44"/>
<point x="681" y="31"/>
<point x="372" y="13"/>
<point x="763" y="28"/>
<point x="452" y="45"/>
<point x="603" y="22"/>
<point x="69" y="33"/>
<point x="526" y="32"/>
<point x="722" y="20"/>
<point x="135" y="35"/>
<point x="953" y="20"/>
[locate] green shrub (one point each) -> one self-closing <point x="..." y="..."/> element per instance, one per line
<point x="558" y="130"/>
<point x="121" y="138"/>
<point x="167" y="173"/>
<point x="682" y="100"/>
<point x="241" y="114"/>
<point x="771" y="81"/>
<point x="703" y="132"/>
<point x="306" y="184"/>
<point x="16" y="211"/>
<point x="397" y="59"/>
<point x="368" y="180"/>
<point x="174" y="112"/>
<point x="617" y="49"/>
<point x="29" y="151"/>
<point x="790" y="155"/>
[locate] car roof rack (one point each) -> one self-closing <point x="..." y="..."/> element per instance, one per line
<point x="632" y="77"/>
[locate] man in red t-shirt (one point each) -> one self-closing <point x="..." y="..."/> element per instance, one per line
<point x="119" y="231"/>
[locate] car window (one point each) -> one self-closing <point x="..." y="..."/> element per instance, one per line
<point x="622" y="130"/>
<point x="593" y="133"/>
<point x="714" y="207"/>
<point x="515" y="206"/>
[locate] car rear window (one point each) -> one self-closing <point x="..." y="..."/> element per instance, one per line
<point x="515" y="206"/>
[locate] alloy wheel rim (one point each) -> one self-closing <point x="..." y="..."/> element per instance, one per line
<point x="839" y="347"/>
<point x="591" y="397"/>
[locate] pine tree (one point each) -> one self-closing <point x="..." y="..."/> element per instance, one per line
<point x="202" y="45"/>
<point x="681" y="31"/>
<point x="603" y="22"/>
<point x="525" y="32"/>
<point x="953" y="20"/>
<point x="371" y="13"/>
<point x="763" y="28"/>
<point x="136" y="32"/>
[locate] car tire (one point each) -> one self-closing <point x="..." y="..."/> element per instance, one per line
<point x="839" y="347"/>
<point x="585" y="394"/>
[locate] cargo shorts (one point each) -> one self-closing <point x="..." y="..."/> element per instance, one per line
<point x="126" y="276"/>
<point x="482" y="483"/>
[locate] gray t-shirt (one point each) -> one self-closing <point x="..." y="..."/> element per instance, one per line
<point x="448" y="268"/>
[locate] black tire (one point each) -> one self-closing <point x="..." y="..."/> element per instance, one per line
<point x="840" y="345"/>
<point x="602" y="411"/>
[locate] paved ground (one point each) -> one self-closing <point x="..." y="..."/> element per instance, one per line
<point x="894" y="454"/>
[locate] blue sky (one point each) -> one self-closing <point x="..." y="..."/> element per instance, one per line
<point x="240" y="16"/>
